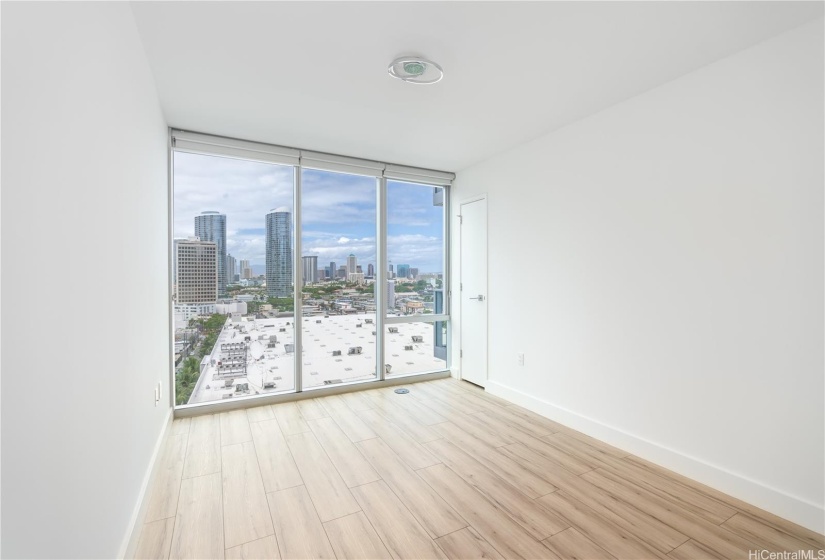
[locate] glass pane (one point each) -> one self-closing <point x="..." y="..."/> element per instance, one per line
<point x="232" y="278"/>
<point x="338" y="213"/>
<point x="415" y="247"/>
<point x="416" y="348"/>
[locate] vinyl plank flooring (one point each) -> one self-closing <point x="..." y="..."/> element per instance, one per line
<point x="180" y="426"/>
<point x="466" y="544"/>
<point x="477" y="390"/>
<point x="199" y="522"/>
<point x="457" y="402"/>
<point x="424" y="503"/>
<point x="693" y="550"/>
<point x="517" y="435"/>
<point x="356" y="401"/>
<point x="289" y="418"/>
<point x="203" y="450"/>
<point x="472" y="424"/>
<point x="811" y="537"/>
<point x="444" y="471"/>
<point x="495" y="526"/>
<point x="572" y="545"/>
<point x="613" y="539"/>
<point x="470" y="397"/>
<point x="245" y="510"/>
<point x="354" y="538"/>
<point x="278" y="468"/>
<point x="588" y="454"/>
<point x="532" y="423"/>
<point x="163" y="501"/>
<point x="259" y="413"/>
<point x="410" y="451"/>
<point x="405" y="421"/>
<point x="657" y="534"/>
<point x="713" y="510"/>
<point x="347" y="420"/>
<point x="437" y="408"/>
<point x="261" y="549"/>
<point x="420" y="412"/>
<point x="311" y="409"/>
<point x="234" y="427"/>
<point x="765" y="536"/>
<point x="354" y="469"/>
<point x="718" y="539"/>
<point x="329" y="493"/>
<point x="298" y="530"/>
<point x="528" y="482"/>
<point x="533" y="518"/>
<point x="155" y="540"/>
<point x="403" y="536"/>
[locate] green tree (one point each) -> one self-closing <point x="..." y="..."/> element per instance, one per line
<point x="185" y="380"/>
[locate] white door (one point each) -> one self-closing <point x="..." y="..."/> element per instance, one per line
<point x="473" y="293"/>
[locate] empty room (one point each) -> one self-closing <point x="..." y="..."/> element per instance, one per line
<point x="412" y="280"/>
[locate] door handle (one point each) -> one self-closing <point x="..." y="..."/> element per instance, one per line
<point x="479" y="298"/>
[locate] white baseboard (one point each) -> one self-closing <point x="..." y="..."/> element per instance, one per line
<point x="793" y="508"/>
<point x="130" y="540"/>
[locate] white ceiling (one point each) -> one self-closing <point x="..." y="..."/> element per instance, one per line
<point x="313" y="75"/>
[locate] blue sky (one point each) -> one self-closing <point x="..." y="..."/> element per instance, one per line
<point x="339" y="211"/>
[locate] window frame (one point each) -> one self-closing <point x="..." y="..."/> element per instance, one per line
<point x="212" y="145"/>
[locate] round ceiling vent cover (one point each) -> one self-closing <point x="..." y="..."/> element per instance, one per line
<point x="415" y="70"/>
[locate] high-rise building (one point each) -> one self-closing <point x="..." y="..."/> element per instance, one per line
<point x="414" y="273"/>
<point x="370" y="270"/>
<point x="342" y="272"/>
<point x="391" y="294"/>
<point x="356" y="278"/>
<point x="197" y="271"/>
<point x="244" y="269"/>
<point x="279" y="253"/>
<point x="352" y="264"/>
<point x="211" y="226"/>
<point x="403" y="270"/>
<point x="310" y="266"/>
<point x="230" y="269"/>
<point x="332" y="270"/>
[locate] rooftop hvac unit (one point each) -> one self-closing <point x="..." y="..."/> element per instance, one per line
<point x="418" y="338"/>
<point x="354" y="350"/>
<point x="289" y="348"/>
<point x="387" y="368"/>
<point x="408" y="347"/>
<point x="358" y="325"/>
<point x="318" y="321"/>
<point x="336" y="352"/>
<point x="368" y="321"/>
<point x="282" y="329"/>
<point x="392" y="330"/>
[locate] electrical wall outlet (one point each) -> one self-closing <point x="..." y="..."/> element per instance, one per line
<point x="520" y="357"/>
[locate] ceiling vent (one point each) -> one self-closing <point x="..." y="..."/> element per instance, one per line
<point x="415" y="70"/>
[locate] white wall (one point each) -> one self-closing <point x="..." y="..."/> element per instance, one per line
<point x="84" y="198"/>
<point x="660" y="264"/>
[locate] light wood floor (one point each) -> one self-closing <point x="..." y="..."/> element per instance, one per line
<point x="447" y="471"/>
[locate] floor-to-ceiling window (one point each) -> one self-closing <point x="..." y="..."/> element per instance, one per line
<point x="338" y="232"/>
<point x="416" y="264"/>
<point x="296" y="271"/>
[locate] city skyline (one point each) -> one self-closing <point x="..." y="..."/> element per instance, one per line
<point x="338" y="211"/>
